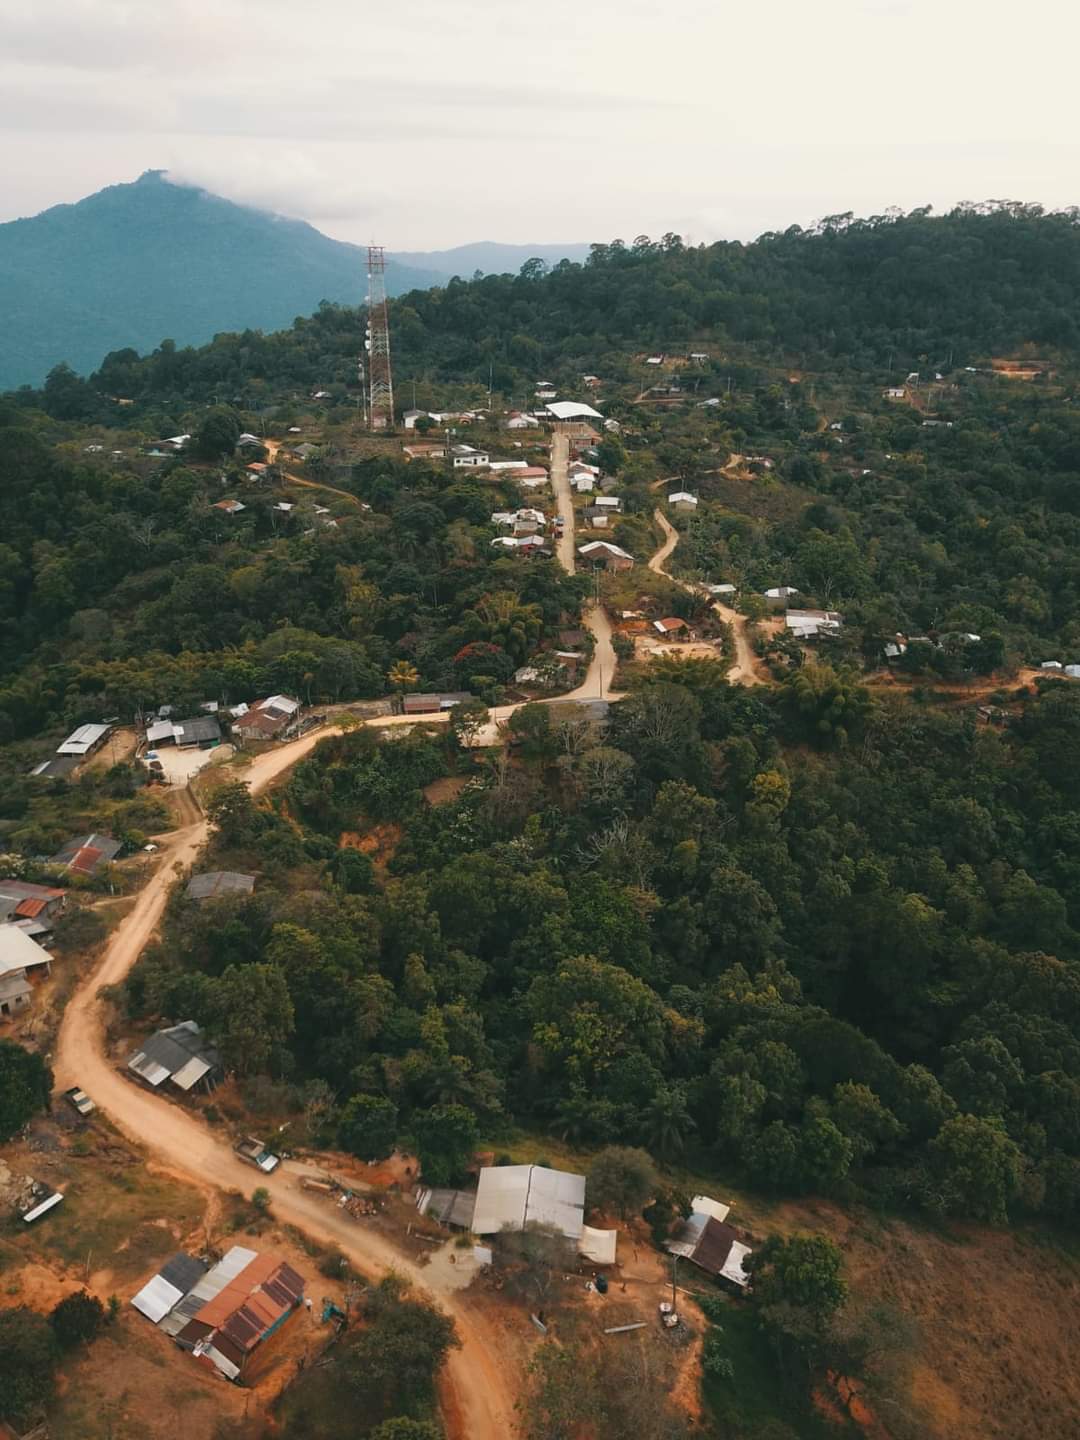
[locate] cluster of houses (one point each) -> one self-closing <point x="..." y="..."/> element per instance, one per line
<point x="221" y="1313"/>
<point x="274" y="718"/>
<point x="802" y="624"/>
<point x="28" y="913"/>
<point x="508" y="1198"/>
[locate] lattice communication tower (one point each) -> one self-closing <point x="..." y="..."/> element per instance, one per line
<point x="380" y="376"/>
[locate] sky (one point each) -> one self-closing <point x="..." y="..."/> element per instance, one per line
<point x="450" y="121"/>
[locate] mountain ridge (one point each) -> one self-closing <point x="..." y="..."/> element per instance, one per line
<point x="147" y="260"/>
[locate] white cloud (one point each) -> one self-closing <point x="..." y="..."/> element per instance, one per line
<point x="445" y="122"/>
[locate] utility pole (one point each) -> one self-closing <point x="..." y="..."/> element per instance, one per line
<point x="377" y="344"/>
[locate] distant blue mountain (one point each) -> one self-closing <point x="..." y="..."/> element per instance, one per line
<point x="489" y="256"/>
<point x="140" y="263"/>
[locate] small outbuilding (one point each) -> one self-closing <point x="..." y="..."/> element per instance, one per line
<point x="213" y="883"/>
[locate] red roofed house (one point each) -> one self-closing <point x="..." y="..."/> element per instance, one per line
<point x="248" y="1299"/>
<point x="673" y="628"/>
<point x="23" y="903"/>
<point x="85" y="853"/>
<point x="267" y="718"/>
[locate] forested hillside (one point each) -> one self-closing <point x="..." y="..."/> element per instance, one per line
<point x="705" y="930"/>
<point x="851" y="293"/>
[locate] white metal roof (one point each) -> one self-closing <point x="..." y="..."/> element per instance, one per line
<point x="573" y="410"/>
<point x="156" y="1298"/>
<point x="682" y="495"/>
<point x="31" y="1215"/>
<point x="18" y="951"/>
<point x="598" y="1245"/>
<point x="80" y="740"/>
<point x="515" y="1195"/>
<point x="191" y="1073"/>
<point x="603" y="545"/>
<point x="703" y="1205"/>
<point x="732" y="1268"/>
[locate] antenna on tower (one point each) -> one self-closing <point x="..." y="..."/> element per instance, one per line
<point x="377" y="345"/>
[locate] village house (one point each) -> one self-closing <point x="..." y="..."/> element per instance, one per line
<point x="266" y="719"/>
<point x="545" y="390"/>
<point x="894" y="392"/>
<point x="85" y="854"/>
<point x="232" y="507"/>
<point x="467" y="457"/>
<point x="212" y="884"/>
<point x="572" y="410"/>
<point x="809" y="624"/>
<point x="602" y="553"/>
<point x="533" y="477"/>
<point x="510" y="1197"/>
<point x="598" y="519"/>
<point x="721" y="592"/>
<point x="202" y="731"/>
<point x="683" y="501"/>
<point x="223" y="1313"/>
<point x="778" y="596"/>
<point x="180" y="1054"/>
<point x="710" y="1243"/>
<point x="31" y="908"/>
<point x="672" y="628"/>
<point x="613" y="427"/>
<point x="21" y="963"/>
<point x="410" y="418"/>
<point x="85" y="741"/>
<point x="432" y="704"/>
<point x="519" y="420"/>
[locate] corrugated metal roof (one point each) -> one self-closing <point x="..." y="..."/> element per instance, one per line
<point x="191" y="1073"/>
<point x="218" y="882"/>
<point x="18" y="951"/>
<point x="184" y="1271"/>
<point x="517" y="1195"/>
<point x="157" y="1298"/>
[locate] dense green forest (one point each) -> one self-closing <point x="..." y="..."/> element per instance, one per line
<point x="850" y="969"/>
<point x="859" y="294"/>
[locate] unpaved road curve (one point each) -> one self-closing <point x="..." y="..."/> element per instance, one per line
<point x="747" y="669"/>
<point x="477" y="1391"/>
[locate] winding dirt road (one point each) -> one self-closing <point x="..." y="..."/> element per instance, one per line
<point x="477" y="1392"/>
<point x="746" y="669"/>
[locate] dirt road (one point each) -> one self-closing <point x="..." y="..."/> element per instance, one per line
<point x="272" y="448"/>
<point x="479" y="1394"/>
<point x="564" y="503"/>
<point x="747" y="668"/>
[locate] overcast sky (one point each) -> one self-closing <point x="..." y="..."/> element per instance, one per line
<point x="436" y="122"/>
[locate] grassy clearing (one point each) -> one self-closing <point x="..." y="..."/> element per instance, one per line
<point x="109" y="1214"/>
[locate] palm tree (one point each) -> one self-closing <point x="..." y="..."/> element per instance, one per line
<point x="667" y="1120"/>
<point x="403" y="675"/>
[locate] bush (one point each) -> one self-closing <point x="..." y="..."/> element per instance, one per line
<point x="77" y="1320"/>
<point x="260" y="1198"/>
<point x="621" y="1179"/>
<point x="333" y="1265"/>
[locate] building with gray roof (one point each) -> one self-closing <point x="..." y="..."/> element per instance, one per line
<point x="212" y="883"/>
<point x="180" y="1054"/>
